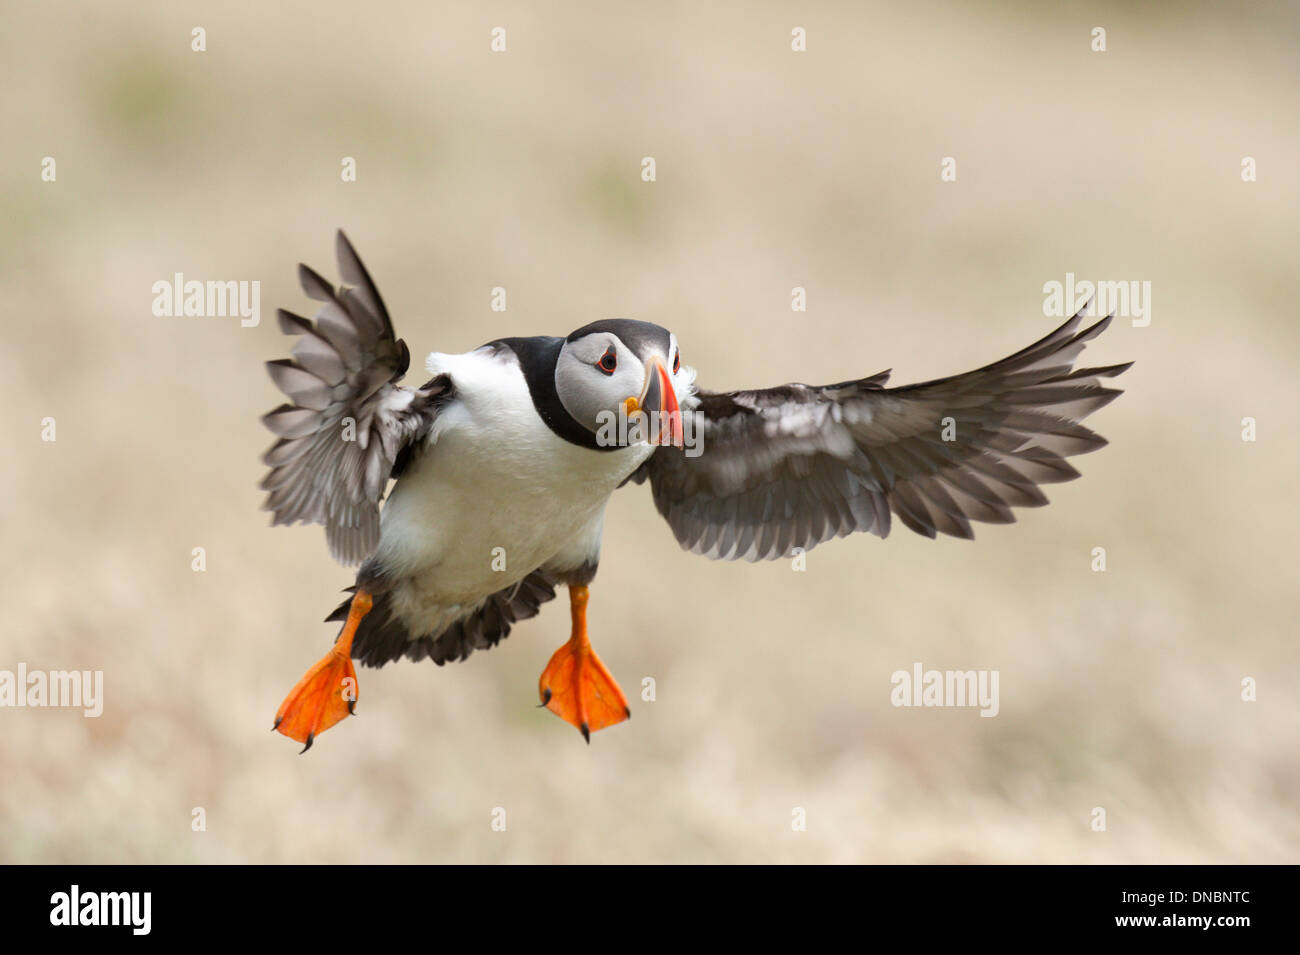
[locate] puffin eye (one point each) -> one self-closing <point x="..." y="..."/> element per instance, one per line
<point x="677" y="362"/>
<point x="608" y="361"/>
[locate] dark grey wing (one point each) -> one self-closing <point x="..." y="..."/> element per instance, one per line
<point x="348" y="419"/>
<point x="797" y="465"/>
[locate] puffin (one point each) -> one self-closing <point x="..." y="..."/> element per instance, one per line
<point x="495" y="473"/>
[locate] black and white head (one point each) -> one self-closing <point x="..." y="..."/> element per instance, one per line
<point x="624" y="370"/>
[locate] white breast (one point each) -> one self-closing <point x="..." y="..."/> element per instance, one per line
<point x="496" y="488"/>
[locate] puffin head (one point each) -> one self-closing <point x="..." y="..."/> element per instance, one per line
<point x="622" y="372"/>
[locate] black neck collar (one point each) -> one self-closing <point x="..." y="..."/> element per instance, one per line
<point x="538" y="357"/>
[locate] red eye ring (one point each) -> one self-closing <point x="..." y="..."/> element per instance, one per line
<point x="677" y="362"/>
<point x="608" y="361"/>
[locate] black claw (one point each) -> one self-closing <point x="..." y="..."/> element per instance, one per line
<point x="546" y="698"/>
<point x="278" y="721"/>
<point x="311" y="738"/>
<point x="586" y="733"/>
<point x="352" y="707"/>
<point x="627" y="711"/>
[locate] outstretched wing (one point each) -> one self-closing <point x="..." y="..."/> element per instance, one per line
<point x="348" y="419"/>
<point x="797" y="465"/>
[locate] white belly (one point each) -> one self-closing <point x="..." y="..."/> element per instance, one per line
<point x="496" y="496"/>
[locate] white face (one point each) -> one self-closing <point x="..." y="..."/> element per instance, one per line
<point x="597" y="374"/>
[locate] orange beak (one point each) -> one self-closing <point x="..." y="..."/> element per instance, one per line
<point x="659" y="399"/>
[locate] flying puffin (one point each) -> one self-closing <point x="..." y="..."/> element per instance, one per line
<point x="503" y="461"/>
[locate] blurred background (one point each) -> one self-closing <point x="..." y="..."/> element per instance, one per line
<point x="775" y="169"/>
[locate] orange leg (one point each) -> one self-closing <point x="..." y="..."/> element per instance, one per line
<point x="575" y="685"/>
<point x="328" y="691"/>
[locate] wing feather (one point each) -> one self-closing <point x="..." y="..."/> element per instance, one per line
<point x="349" y="418"/>
<point x="797" y="465"/>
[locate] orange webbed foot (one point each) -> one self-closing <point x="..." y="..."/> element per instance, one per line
<point x="575" y="685"/>
<point x="324" y="696"/>
<point x="327" y="693"/>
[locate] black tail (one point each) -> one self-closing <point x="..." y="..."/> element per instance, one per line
<point x="382" y="637"/>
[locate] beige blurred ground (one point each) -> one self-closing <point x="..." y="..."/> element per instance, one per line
<point x="1119" y="690"/>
